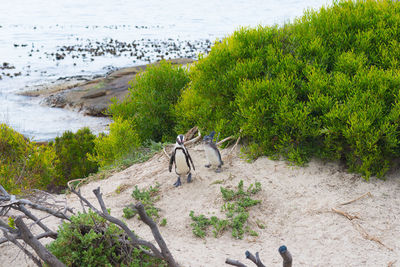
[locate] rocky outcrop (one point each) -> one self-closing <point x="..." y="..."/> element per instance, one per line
<point x="94" y="96"/>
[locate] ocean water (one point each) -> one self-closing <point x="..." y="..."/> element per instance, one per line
<point x="42" y="41"/>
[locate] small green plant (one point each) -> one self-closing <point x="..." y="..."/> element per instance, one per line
<point x="129" y="212"/>
<point x="147" y="197"/>
<point x="236" y="208"/>
<point x="199" y="225"/>
<point x="11" y="222"/>
<point x="90" y="240"/>
<point x="163" y="222"/>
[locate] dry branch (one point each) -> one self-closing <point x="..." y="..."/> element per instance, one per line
<point x="345" y="214"/>
<point x="13" y="240"/>
<point x="235" y="145"/>
<point x="41" y="251"/>
<point x="224" y="140"/>
<point x="286" y="256"/>
<point x="21" y="231"/>
<point x="367" y="236"/>
<point x="354" y="200"/>
<point x="194" y="140"/>
<point x="235" y="263"/>
<point x="255" y="259"/>
<point x="135" y="241"/>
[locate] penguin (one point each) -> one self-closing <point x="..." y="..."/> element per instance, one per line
<point x="181" y="157"/>
<point x="212" y="153"/>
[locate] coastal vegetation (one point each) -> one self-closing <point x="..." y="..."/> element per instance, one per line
<point x="323" y="86"/>
<point x="326" y="86"/>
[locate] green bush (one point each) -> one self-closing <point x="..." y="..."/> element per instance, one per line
<point x="71" y="150"/>
<point x="149" y="105"/>
<point x="89" y="240"/>
<point x="23" y="164"/>
<point x="121" y="141"/>
<point x="325" y="85"/>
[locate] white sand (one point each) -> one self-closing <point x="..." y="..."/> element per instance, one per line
<point x="296" y="210"/>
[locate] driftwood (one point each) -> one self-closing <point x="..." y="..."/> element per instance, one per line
<point x="286" y="256"/>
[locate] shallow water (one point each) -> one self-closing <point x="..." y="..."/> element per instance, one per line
<point x="36" y="34"/>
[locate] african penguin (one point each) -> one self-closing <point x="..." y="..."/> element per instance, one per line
<point x="181" y="157"/>
<point x="212" y="153"/>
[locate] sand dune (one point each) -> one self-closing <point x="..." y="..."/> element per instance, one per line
<point x="296" y="210"/>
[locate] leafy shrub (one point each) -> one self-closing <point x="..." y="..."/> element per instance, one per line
<point x="325" y="85"/>
<point x="71" y="150"/>
<point x="23" y="164"/>
<point x="149" y="105"/>
<point x="90" y="240"/>
<point x="121" y="141"/>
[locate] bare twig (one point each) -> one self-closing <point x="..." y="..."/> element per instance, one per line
<point x="165" y="152"/>
<point x="83" y="206"/>
<point x="190" y="134"/>
<point x="194" y="140"/>
<point x="33" y="218"/>
<point x="81" y="180"/>
<point x="13" y="240"/>
<point x="224" y="140"/>
<point x="286" y="256"/>
<point x="345" y="214"/>
<point x="157" y="235"/>
<point x="235" y="145"/>
<point x="235" y="263"/>
<point x="41" y="251"/>
<point x="354" y="200"/>
<point x="37" y="207"/>
<point x="255" y="259"/>
<point x="367" y="236"/>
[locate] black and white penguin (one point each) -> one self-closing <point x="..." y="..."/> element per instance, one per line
<point x="181" y="157"/>
<point x="212" y="153"/>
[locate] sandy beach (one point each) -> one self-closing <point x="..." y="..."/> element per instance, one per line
<point x="301" y="208"/>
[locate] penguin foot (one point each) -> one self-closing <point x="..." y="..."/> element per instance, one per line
<point x="189" y="178"/>
<point x="208" y="165"/>
<point x="178" y="182"/>
<point x="218" y="170"/>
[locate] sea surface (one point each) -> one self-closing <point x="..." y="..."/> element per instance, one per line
<point x="42" y="41"/>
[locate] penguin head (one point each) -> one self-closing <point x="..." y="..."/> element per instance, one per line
<point x="207" y="139"/>
<point x="212" y="135"/>
<point x="180" y="139"/>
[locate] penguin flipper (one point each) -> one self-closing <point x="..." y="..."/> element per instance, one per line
<point x="190" y="158"/>
<point x="171" y="161"/>
<point x="214" y="146"/>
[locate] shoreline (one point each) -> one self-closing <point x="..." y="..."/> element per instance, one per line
<point x="91" y="96"/>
